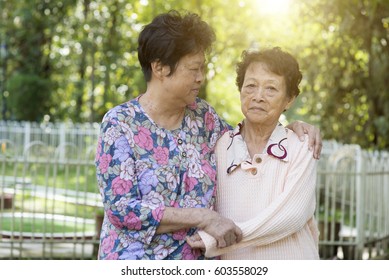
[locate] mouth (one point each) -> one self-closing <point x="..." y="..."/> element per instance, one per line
<point x="257" y="109"/>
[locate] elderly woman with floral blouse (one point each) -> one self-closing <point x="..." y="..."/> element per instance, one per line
<point x="266" y="176"/>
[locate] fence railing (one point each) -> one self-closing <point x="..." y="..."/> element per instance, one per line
<point x="352" y="190"/>
<point x="49" y="203"/>
<point x="50" y="207"/>
<point x="54" y="135"/>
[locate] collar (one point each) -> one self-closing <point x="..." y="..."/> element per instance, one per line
<point x="238" y="154"/>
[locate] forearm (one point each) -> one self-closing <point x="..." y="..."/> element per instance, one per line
<point x="287" y="214"/>
<point x="175" y="219"/>
<point x="267" y="227"/>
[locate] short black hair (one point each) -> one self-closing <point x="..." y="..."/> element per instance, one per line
<point x="278" y="61"/>
<point x="169" y="37"/>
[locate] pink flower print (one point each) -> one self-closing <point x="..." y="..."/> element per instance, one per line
<point x="120" y="186"/>
<point x="98" y="150"/>
<point x="143" y="139"/>
<point x="173" y="204"/>
<point x="179" y="235"/>
<point x="161" y="252"/>
<point x="161" y="155"/>
<point x="209" y="121"/>
<point x="132" y="221"/>
<point x="112" y="256"/>
<point x="205" y="149"/>
<point x="114" y="219"/>
<point x="108" y="242"/>
<point x="193" y="106"/>
<point x="209" y="170"/>
<point x="157" y="213"/>
<point x="189" y="254"/>
<point x="105" y="160"/>
<point x="190" y="183"/>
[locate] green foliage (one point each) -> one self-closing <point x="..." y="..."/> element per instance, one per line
<point x="346" y="60"/>
<point x="84" y="54"/>
<point x="30" y="96"/>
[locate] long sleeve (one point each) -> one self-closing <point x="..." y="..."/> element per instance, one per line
<point x="124" y="203"/>
<point x="290" y="210"/>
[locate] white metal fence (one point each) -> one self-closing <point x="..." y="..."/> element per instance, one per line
<point x="54" y="135"/>
<point x="50" y="206"/>
<point x="49" y="201"/>
<point x="352" y="195"/>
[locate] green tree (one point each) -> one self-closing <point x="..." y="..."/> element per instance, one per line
<point x="75" y="59"/>
<point x="29" y="29"/>
<point x="346" y="59"/>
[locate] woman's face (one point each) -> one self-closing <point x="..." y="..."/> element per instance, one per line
<point x="185" y="83"/>
<point x="263" y="95"/>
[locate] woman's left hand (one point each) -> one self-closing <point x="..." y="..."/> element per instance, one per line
<point x="315" y="141"/>
<point x="195" y="241"/>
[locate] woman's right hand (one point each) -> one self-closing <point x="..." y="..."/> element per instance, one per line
<point x="224" y="230"/>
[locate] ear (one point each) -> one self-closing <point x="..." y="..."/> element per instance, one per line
<point x="159" y="70"/>
<point x="290" y="103"/>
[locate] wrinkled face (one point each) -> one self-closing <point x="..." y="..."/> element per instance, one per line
<point x="263" y="96"/>
<point x="185" y="83"/>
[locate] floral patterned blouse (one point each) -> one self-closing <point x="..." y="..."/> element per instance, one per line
<point x="143" y="168"/>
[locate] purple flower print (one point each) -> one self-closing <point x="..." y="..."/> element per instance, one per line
<point x="122" y="151"/>
<point x="133" y="251"/>
<point x="148" y="180"/>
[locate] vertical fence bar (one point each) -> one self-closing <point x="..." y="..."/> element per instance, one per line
<point x="360" y="203"/>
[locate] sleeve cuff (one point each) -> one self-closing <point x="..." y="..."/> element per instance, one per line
<point x="210" y="244"/>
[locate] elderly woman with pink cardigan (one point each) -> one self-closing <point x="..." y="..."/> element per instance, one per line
<point x="266" y="175"/>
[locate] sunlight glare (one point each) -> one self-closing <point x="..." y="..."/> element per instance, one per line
<point x="273" y="6"/>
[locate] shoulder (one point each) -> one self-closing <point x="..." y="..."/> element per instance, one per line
<point x="224" y="141"/>
<point x="119" y="115"/>
<point x="296" y="146"/>
<point x="294" y="139"/>
<point x="227" y="136"/>
<point x="201" y="106"/>
<point x="203" y="110"/>
<point x="130" y="109"/>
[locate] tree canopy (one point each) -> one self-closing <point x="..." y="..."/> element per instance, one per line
<point x="75" y="59"/>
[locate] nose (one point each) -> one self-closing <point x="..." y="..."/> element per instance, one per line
<point x="200" y="75"/>
<point x="258" y="94"/>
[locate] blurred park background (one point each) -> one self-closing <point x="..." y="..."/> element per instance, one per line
<point x="64" y="63"/>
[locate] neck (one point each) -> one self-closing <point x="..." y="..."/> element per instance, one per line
<point x="256" y="136"/>
<point x="162" y="111"/>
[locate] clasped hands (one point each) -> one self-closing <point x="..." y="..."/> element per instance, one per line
<point x="224" y="230"/>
